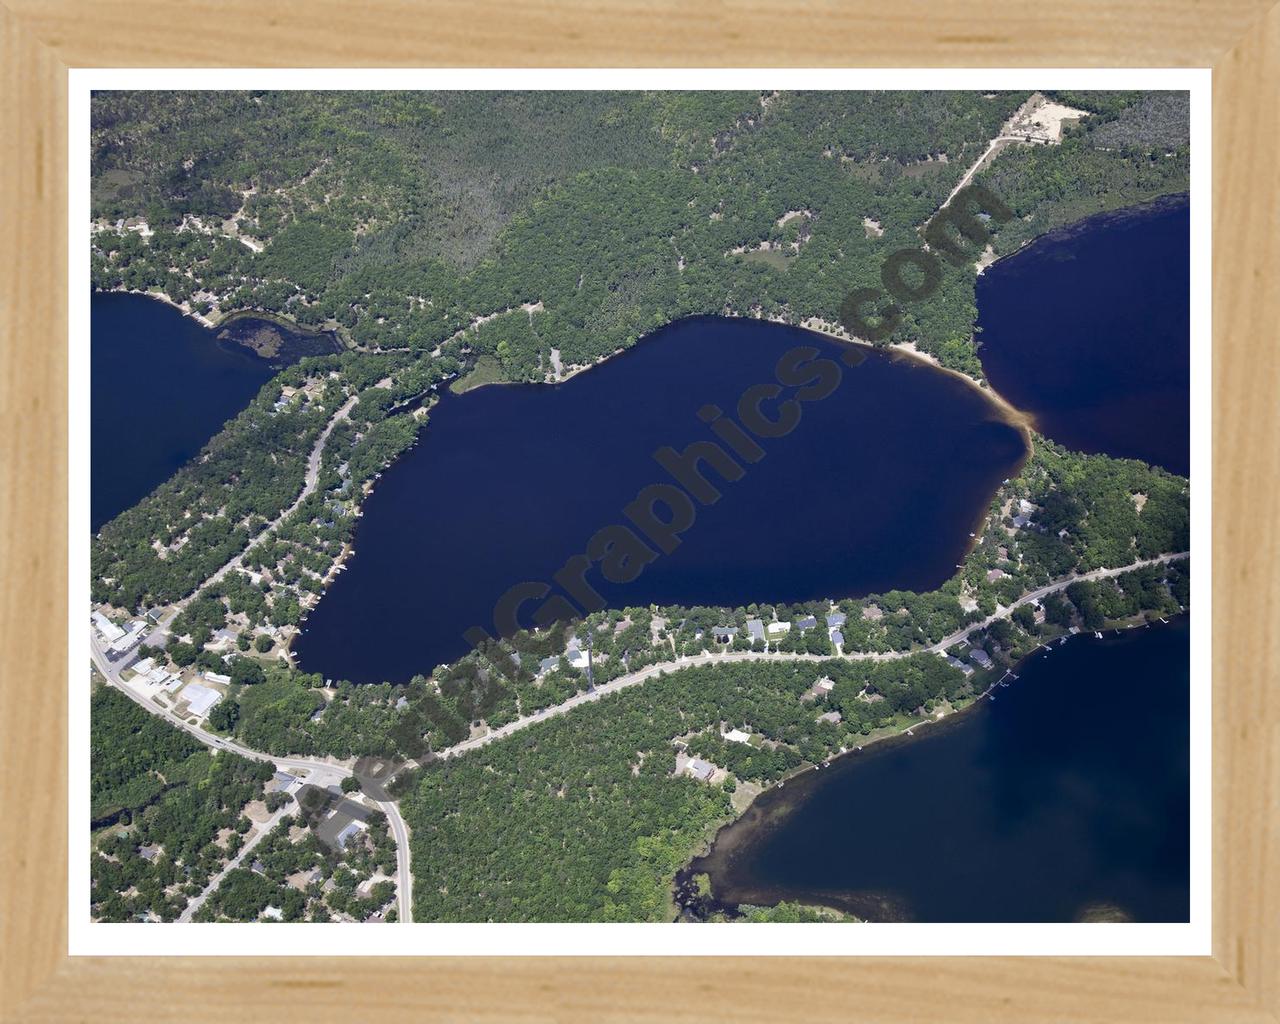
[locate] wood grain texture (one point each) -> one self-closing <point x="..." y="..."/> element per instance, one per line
<point x="39" y="40"/>
<point x="1246" y="551"/>
<point x="33" y="509"/>
<point x="653" y="33"/>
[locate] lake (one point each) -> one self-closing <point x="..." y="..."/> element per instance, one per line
<point x="163" y="384"/>
<point x="1088" y="330"/>
<point x="878" y="487"/>
<point x="1065" y="799"/>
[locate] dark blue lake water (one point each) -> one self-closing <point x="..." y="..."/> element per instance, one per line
<point x="162" y="386"/>
<point x="1066" y="799"/>
<point x="1088" y="329"/>
<point x="878" y="487"/>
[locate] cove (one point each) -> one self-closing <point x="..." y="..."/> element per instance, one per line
<point x="877" y="488"/>
<point x="1066" y="799"/>
<point x="1087" y="329"/>
<point x="163" y="385"/>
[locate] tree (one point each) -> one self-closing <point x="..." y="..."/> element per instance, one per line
<point x="263" y="643"/>
<point x="350" y="784"/>
<point x="223" y="715"/>
<point x="246" y="672"/>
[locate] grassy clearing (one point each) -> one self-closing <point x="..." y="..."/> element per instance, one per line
<point x="487" y="371"/>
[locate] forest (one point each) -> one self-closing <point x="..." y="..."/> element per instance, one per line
<point x="407" y="220"/>
<point x="439" y="233"/>
<point x="154" y="788"/>
<point x="304" y="880"/>
<point x="1085" y="517"/>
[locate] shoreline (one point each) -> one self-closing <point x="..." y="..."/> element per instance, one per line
<point x="899" y="737"/>
<point x="905" y="350"/>
<point x="226" y="319"/>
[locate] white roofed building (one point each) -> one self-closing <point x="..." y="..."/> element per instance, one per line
<point x="200" y="699"/>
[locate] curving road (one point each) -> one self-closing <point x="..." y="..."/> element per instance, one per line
<point x="649" y="671"/>
<point x="327" y="772"/>
<point x="323" y="772"/>
<point x="309" y="481"/>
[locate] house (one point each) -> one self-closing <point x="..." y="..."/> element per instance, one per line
<point x="222" y="639"/>
<point x="957" y="663"/>
<point x="1038" y="615"/>
<point x="215" y="677"/>
<point x="724" y="634"/>
<point x="149" y="852"/>
<point x="1026" y="508"/>
<point x="737" y="736"/>
<point x="144" y="666"/>
<point x="808" y="622"/>
<point x="576" y="658"/>
<point x="995" y="574"/>
<point x="548" y="665"/>
<point x="347" y="834"/>
<point x="1021" y="522"/>
<point x="980" y="658"/>
<point x="755" y="629"/>
<point x="258" y="868"/>
<point x="699" y="769"/>
<point x="830" y="716"/>
<point x="836" y="619"/>
<point x="824" y="685"/>
<point x="200" y="699"/>
<point x="273" y="914"/>
<point x="778" y="629"/>
<point x="402" y="703"/>
<point x="837" y="638"/>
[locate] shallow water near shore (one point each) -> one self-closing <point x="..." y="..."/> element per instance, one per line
<point x="163" y="385"/>
<point x="1087" y="330"/>
<point x="1065" y="799"/>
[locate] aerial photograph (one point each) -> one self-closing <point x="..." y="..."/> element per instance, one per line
<point x="638" y="506"/>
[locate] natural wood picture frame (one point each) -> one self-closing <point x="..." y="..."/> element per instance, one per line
<point x="41" y="39"/>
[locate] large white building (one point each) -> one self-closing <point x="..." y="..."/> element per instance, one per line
<point x="200" y="699"/>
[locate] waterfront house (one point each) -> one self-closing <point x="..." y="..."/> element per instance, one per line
<point x="699" y="769"/>
<point x="957" y="663"/>
<point x="981" y="658"/>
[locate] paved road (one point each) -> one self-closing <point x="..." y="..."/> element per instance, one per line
<point x="641" y="675"/>
<point x="266" y="827"/>
<point x="328" y="772"/>
<point x="323" y="772"/>
<point x="320" y="772"/>
<point x="309" y="481"/>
